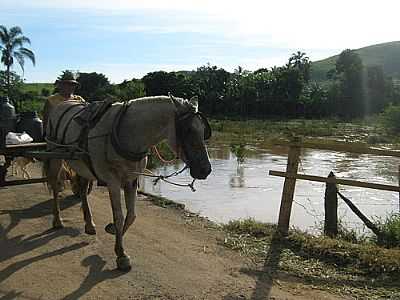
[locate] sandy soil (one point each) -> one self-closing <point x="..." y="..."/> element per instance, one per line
<point x="175" y="255"/>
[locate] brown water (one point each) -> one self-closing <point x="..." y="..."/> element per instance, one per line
<point x="235" y="191"/>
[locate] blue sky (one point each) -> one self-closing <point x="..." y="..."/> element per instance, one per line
<point x="127" y="39"/>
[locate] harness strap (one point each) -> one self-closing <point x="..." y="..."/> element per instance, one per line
<point x="69" y="122"/>
<point x="83" y="136"/>
<point x="53" y="135"/>
<point x="115" y="141"/>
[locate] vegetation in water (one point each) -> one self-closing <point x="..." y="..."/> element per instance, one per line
<point x="239" y="150"/>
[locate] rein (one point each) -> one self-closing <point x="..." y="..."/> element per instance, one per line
<point x="160" y="157"/>
<point x="165" y="177"/>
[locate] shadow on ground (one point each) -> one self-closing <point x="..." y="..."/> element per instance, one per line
<point x="96" y="275"/>
<point x="36" y="211"/>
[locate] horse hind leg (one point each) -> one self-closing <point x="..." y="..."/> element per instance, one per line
<point x="123" y="260"/>
<point x="53" y="171"/>
<point x="90" y="227"/>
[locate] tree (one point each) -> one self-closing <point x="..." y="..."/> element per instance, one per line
<point x="349" y="70"/>
<point x="12" y="47"/>
<point x="11" y="86"/>
<point x="379" y="89"/>
<point x="162" y="83"/>
<point x="210" y="84"/>
<point x="128" y="90"/>
<point x="93" y="86"/>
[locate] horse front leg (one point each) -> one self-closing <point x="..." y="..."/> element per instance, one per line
<point x="123" y="261"/>
<point x="130" y="193"/>
<point x="90" y="227"/>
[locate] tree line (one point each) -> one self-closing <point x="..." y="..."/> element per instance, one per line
<point x="350" y="90"/>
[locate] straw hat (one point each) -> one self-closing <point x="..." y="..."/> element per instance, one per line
<point x="67" y="78"/>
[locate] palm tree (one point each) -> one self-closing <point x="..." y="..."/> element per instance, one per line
<point x="12" y="47"/>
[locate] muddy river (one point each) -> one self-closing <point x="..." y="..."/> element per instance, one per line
<point x="237" y="191"/>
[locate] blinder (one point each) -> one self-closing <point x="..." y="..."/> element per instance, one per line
<point x="183" y="125"/>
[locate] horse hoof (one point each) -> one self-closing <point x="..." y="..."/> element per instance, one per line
<point x="57" y="224"/>
<point x="110" y="228"/>
<point x="90" y="229"/>
<point x="124" y="263"/>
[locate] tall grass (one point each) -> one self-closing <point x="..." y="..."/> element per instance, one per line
<point x="390" y="227"/>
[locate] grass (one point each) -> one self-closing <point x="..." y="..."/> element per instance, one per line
<point x="363" y="271"/>
<point x="162" y="201"/>
<point x="34" y="105"/>
<point x="368" y="130"/>
<point x="390" y="227"/>
<point x="38" y="87"/>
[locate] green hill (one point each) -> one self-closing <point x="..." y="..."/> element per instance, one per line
<point x="386" y="55"/>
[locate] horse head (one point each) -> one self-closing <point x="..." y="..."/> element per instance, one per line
<point x="192" y="130"/>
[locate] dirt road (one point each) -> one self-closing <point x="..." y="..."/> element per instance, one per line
<point x="175" y="256"/>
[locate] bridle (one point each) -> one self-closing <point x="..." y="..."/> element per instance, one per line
<point x="181" y="122"/>
<point x="182" y="128"/>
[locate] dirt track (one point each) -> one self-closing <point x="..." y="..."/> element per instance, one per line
<point x="175" y="256"/>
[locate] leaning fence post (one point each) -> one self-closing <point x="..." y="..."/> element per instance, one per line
<point x="331" y="205"/>
<point x="289" y="187"/>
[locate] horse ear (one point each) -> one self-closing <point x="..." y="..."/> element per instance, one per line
<point x="195" y="102"/>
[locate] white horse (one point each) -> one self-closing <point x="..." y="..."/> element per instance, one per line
<point x="117" y="147"/>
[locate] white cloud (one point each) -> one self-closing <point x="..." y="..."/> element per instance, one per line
<point x="284" y="23"/>
<point x="319" y="28"/>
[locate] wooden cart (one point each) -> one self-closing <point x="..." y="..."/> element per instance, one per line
<point x="33" y="150"/>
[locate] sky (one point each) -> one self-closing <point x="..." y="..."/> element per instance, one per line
<point x="127" y="39"/>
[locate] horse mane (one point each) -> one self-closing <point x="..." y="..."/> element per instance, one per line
<point x="184" y="103"/>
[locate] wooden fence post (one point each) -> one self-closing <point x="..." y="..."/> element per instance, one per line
<point x="288" y="188"/>
<point x="331" y="205"/>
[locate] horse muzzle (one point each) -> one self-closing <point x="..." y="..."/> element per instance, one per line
<point x="200" y="171"/>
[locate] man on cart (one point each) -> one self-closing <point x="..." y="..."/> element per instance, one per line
<point x="66" y="85"/>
